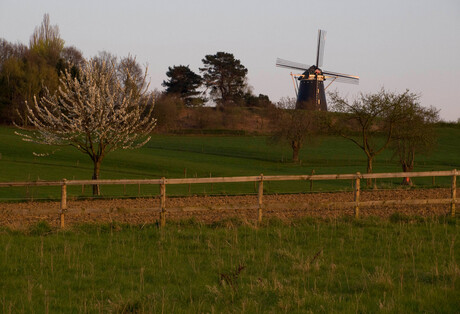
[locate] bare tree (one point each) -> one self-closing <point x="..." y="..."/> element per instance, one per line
<point x="73" y="56"/>
<point x="369" y="121"/>
<point x="95" y="113"/>
<point x="130" y="73"/>
<point x="294" y="126"/>
<point x="414" y="134"/>
<point x="9" y="50"/>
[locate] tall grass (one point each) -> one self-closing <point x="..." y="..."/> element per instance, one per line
<point x="405" y="264"/>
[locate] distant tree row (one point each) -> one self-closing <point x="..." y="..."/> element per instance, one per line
<point x="224" y="80"/>
<point x="26" y="71"/>
<point x="33" y="70"/>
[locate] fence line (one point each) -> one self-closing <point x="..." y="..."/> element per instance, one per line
<point x="260" y="179"/>
<point x="313" y="177"/>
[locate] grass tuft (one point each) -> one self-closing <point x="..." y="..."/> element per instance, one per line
<point x="399" y="218"/>
<point x="42" y="228"/>
<point x="229" y="223"/>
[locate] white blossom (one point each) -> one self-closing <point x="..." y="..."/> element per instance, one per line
<point x="95" y="112"/>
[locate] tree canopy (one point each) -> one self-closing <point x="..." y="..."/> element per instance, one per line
<point x="184" y="83"/>
<point x="414" y="134"/>
<point x="46" y="41"/>
<point x="225" y="77"/>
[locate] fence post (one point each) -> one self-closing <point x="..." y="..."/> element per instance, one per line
<point x="356" y="198"/>
<point x="311" y="181"/>
<point x="453" y="192"/>
<point x="163" y="203"/>
<point x="63" y="201"/>
<point x="260" y="196"/>
<point x="212" y="185"/>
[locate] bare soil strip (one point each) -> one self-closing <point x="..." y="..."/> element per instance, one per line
<point x="209" y="209"/>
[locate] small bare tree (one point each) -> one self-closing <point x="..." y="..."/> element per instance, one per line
<point x="96" y="113"/>
<point x="414" y="134"/>
<point x="294" y="126"/>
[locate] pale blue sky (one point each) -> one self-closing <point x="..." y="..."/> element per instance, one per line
<point x="396" y="44"/>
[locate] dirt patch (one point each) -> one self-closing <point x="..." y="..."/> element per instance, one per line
<point x="215" y="208"/>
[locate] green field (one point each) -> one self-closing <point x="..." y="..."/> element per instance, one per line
<point x="399" y="265"/>
<point x="176" y="156"/>
<point x="402" y="264"/>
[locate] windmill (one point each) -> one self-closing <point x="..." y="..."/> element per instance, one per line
<point x="310" y="90"/>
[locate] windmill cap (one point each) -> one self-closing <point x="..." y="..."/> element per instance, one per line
<point x="313" y="70"/>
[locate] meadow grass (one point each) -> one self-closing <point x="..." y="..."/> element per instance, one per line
<point x="402" y="264"/>
<point x="178" y="156"/>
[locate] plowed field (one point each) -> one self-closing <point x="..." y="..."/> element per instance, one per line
<point x="210" y="209"/>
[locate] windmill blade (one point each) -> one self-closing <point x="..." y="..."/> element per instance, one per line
<point x="343" y="78"/>
<point x="320" y="51"/>
<point x="291" y="65"/>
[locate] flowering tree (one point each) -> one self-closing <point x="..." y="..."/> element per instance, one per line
<point x="95" y="112"/>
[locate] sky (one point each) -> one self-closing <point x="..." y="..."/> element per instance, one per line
<point x="392" y="44"/>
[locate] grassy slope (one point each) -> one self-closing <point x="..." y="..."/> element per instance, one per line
<point x="171" y="156"/>
<point x="310" y="265"/>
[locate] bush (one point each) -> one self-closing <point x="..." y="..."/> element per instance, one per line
<point x="166" y="111"/>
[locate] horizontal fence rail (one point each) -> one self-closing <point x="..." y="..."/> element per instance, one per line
<point x="260" y="179"/>
<point x="314" y="177"/>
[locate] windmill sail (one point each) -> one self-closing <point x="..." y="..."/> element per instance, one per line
<point x="343" y="78"/>
<point x="320" y="50"/>
<point x="291" y="65"/>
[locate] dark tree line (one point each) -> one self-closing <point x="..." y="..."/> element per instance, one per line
<point x="33" y="70"/>
<point x="223" y="80"/>
<point x="26" y="71"/>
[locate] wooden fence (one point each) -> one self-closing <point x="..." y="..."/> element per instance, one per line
<point x="357" y="177"/>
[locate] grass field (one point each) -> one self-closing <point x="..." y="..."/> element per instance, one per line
<point x="401" y="264"/>
<point x="398" y="265"/>
<point x="176" y="156"/>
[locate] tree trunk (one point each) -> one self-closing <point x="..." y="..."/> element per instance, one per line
<point x="295" y="151"/>
<point x="407" y="168"/>
<point x="96" y="188"/>
<point x="369" y="170"/>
